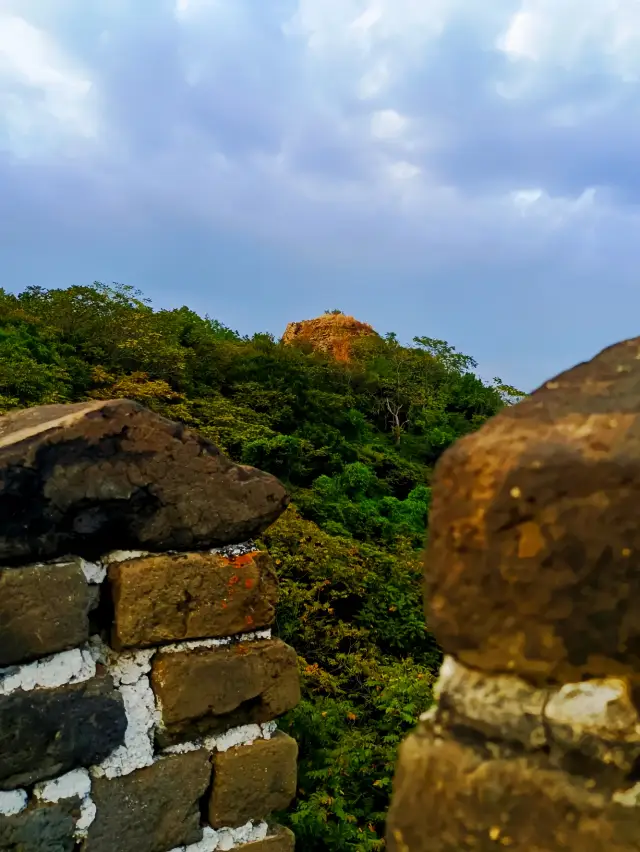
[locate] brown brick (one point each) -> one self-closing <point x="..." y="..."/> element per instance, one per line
<point x="280" y="839"/>
<point x="153" y="809"/>
<point x="47" y="732"/>
<point x="207" y="690"/>
<point x="452" y="797"/>
<point x="251" y="782"/>
<point x="190" y="596"/>
<point x="533" y="560"/>
<point x="43" y="609"/>
<point x="45" y="828"/>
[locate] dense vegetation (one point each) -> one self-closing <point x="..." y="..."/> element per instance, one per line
<point x="354" y="442"/>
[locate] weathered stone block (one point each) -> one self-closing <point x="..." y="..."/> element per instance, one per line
<point x="533" y="562"/>
<point x="498" y="706"/>
<point x="77" y="478"/>
<point x="190" y="596"/>
<point x="47" y="732"/>
<point x="207" y="690"/>
<point x="43" y="609"/>
<point x="153" y="809"/>
<point x="251" y="782"/>
<point x="595" y="720"/>
<point x="450" y="797"/>
<point x="46" y="828"/>
<point x="280" y="839"/>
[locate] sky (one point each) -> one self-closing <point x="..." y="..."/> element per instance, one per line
<point x="445" y="168"/>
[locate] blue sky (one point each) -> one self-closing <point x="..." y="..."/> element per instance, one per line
<point x="462" y="170"/>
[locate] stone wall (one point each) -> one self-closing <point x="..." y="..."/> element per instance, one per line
<point x="139" y="681"/>
<point x="533" y="591"/>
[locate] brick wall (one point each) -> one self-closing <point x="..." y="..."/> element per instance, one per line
<point x="533" y="591"/>
<point x="140" y="685"/>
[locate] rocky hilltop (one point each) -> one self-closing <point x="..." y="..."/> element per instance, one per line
<point x="331" y="333"/>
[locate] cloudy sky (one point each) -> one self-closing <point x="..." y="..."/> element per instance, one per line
<point x="452" y="168"/>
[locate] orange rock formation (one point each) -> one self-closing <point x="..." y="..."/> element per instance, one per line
<point x="331" y="333"/>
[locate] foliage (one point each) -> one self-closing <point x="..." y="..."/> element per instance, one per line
<point x="355" y="443"/>
<point x="354" y="613"/>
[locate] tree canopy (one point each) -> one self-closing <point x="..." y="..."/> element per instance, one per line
<point x="355" y="443"/>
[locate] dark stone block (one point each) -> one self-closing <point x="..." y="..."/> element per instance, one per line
<point x="47" y="732"/>
<point x="46" y="828"/>
<point x="43" y="609"/>
<point x="88" y="477"/>
<point x="153" y="809"/>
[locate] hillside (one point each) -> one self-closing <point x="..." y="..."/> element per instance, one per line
<point x="354" y="438"/>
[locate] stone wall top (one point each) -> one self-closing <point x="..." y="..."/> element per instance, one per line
<point x="96" y="476"/>
<point x="533" y="564"/>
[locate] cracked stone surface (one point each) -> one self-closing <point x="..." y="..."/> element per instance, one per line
<point x="80" y="478"/>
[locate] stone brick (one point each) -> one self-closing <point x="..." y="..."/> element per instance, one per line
<point x="251" y="782"/>
<point x="280" y="839"/>
<point x="79" y="478"/>
<point x="453" y="797"/>
<point x="589" y="723"/>
<point x="153" y="809"/>
<point x="43" y="609"/>
<point x="46" y="828"/>
<point x="190" y="596"/>
<point x="533" y="561"/>
<point x="47" y="732"/>
<point x="207" y="690"/>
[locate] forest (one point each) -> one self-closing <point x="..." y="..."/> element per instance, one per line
<point x="355" y="442"/>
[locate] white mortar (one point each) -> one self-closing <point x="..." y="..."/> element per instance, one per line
<point x="123" y="556"/>
<point x="244" y="735"/>
<point x="13" y="802"/>
<point x="94" y="572"/>
<point x="67" y="667"/>
<point x="130" y="674"/>
<point x="75" y="783"/>
<point x="194" y="644"/>
<point x="227" y="838"/>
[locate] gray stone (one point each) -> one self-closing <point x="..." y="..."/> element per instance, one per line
<point x="46" y="828"/>
<point x="151" y="810"/>
<point x="47" y="732"/>
<point x="43" y="609"/>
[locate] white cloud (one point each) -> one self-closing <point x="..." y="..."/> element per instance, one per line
<point x="404" y="171"/>
<point x="187" y="9"/>
<point x="42" y="91"/>
<point x="374" y="80"/>
<point x="388" y="124"/>
<point x="576" y="32"/>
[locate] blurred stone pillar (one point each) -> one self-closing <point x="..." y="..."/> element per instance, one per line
<point x="533" y="591"/>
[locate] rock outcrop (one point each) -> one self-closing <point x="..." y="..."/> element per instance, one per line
<point x="532" y="588"/>
<point x="333" y="334"/>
